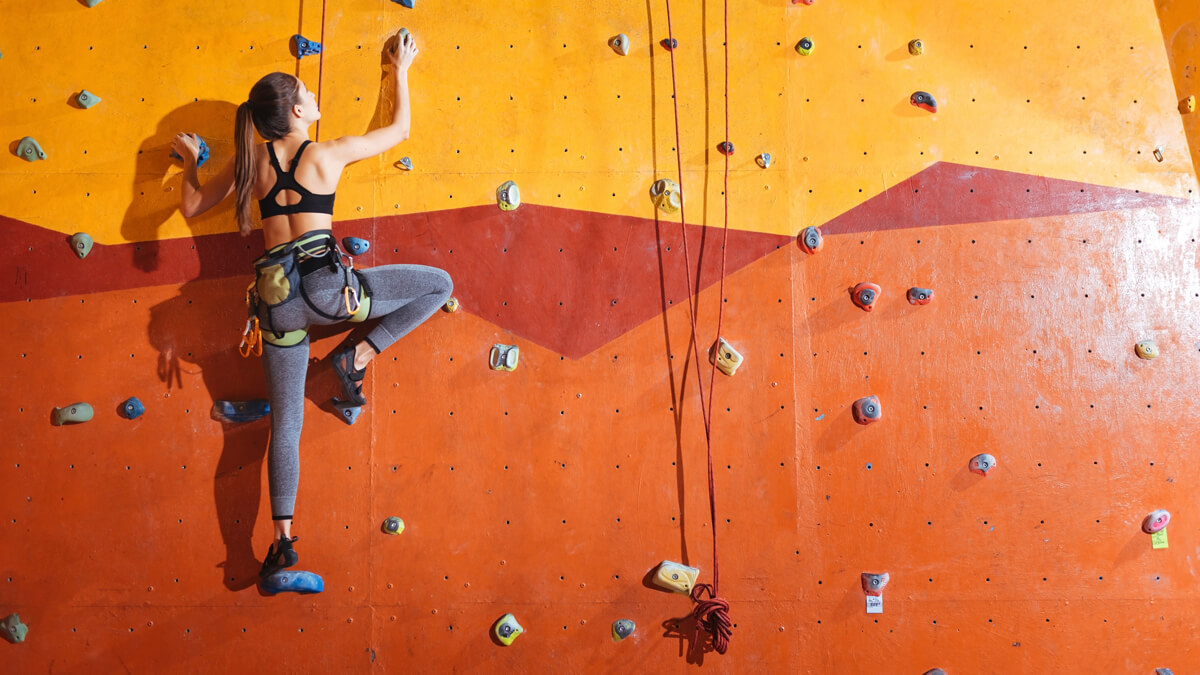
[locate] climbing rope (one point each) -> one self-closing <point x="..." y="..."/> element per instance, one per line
<point x="713" y="613"/>
<point x="320" y="68"/>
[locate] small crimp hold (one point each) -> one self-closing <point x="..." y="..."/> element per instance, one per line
<point x="200" y="158"/>
<point x="404" y="164"/>
<point x="1158" y="154"/>
<point x="76" y="413"/>
<point x="238" y="412"/>
<point x="805" y="46"/>
<point x="619" y="44"/>
<point x="348" y="411"/>
<point x="86" y="99"/>
<point x="864" y="296"/>
<point x="763" y="160"/>
<point x="12" y="629"/>
<point x="406" y="3"/>
<point x="508" y="196"/>
<point x="725" y="357"/>
<point x="29" y="150"/>
<point x="1163" y="671"/>
<point x="92" y="3"/>
<point x="811" y="240"/>
<point x="873" y="584"/>
<point x="669" y="44"/>
<point x="504" y="357"/>
<point x="725" y="148"/>
<point x="803" y="2"/>
<point x="1157" y="520"/>
<point x="919" y="296"/>
<point x="867" y="410"/>
<point x="676" y="577"/>
<point x="291" y="581"/>
<point x="1188" y="105"/>
<point x="666" y="195"/>
<point x="982" y="464"/>
<point x="355" y="246"/>
<point x="132" y="408"/>
<point x="81" y="243"/>
<point x="924" y="101"/>
<point x="451" y="306"/>
<point x="304" y="46"/>
<point x="393" y="525"/>
<point x="916" y="47"/>
<point x="507" y="629"/>
<point x="622" y="628"/>
<point x="1146" y="349"/>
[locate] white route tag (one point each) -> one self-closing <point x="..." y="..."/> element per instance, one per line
<point x="874" y="604"/>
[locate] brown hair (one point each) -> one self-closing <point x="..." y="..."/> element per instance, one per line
<point x="271" y="100"/>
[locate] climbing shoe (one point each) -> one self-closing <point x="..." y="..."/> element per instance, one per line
<point x="351" y="379"/>
<point x="281" y="556"/>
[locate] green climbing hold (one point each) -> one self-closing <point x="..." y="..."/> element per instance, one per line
<point x="14" y="631"/>
<point x="93" y="3"/>
<point x="81" y="243"/>
<point x="29" y="150"/>
<point x="86" y="99"/>
<point x="76" y="413"/>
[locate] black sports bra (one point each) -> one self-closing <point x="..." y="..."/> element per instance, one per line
<point x="286" y="180"/>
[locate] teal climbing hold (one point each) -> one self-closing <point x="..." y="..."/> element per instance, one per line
<point x="304" y="46"/>
<point x="76" y="413"/>
<point x="404" y="163"/>
<point x="355" y="246"/>
<point x="81" y="243"/>
<point x="86" y="99"/>
<point x="201" y="158"/>
<point x="132" y="408"/>
<point x="238" y="412"/>
<point x="93" y="3"/>
<point x="29" y="150"/>
<point x="293" y="582"/>
<point x="406" y="3"/>
<point x="13" y="630"/>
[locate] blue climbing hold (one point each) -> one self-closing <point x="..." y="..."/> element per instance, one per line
<point x="304" y="46"/>
<point x="404" y="163"/>
<point x="406" y="3"/>
<point x="355" y="246"/>
<point x="201" y="159"/>
<point x="294" y="582"/>
<point x="238" y="412"/>
<point x="348" y="412"/>
<point x="132" y="408"/>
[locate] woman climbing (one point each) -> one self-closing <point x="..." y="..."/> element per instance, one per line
<point x="303" y="278"/>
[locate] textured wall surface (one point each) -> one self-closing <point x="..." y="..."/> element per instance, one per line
<point x="1051" y="203"/>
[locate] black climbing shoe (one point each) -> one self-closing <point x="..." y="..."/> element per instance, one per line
<point x="351" y="379"/>
<point x="281" y="556"/>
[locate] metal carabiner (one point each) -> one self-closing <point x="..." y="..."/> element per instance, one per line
<point x="251" y="339"/>
<point x="346" y="295"/>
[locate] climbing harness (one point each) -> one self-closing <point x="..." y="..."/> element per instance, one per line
<point x="279" y="275"/>
<point x="711" y="614"/>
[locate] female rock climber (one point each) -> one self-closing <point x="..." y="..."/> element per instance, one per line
<point x="302" y="279"/>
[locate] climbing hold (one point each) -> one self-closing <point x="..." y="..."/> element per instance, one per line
<point x="76" y="413"/>
<point x="507" y="629"/>
<point x="405" y="3"/>
<point x="295" y="582"/>
<point x="1188" y="105"/>
<point x="1157" y="520"/>
<point x="86" y="99"/>
<point x="304" y="46"/>
<point x="1146" y="349"/>
<point x="92" y="3"/>
<point x="1158" y="154"/>
<point x="935" y="671"/>
<point x="404" y="164"/>
<point x="81" y="243"/>
<point x="669" y="44"/>
<point x="132" y="408"/>
<point x="919" y="296"/>
<point x="237" y="412"/>
<point x="29" y="150"/>
<point x="621" y="629"/>
<point x="725" y="148"/>
<point x="873" y="585"/>
<point x="393" y="525"/>
<point x="348" y="411"/>
<point x="509" y="196"/>
<point x="504" y="357"/>
<point x="201" y="158"/>
<point x="811" y="239"/>
<point x="1163" y="671"/>
<point x="915" y="47"/>
<point x="676" y="577"/>
<point x="451" y="306"/>
<point x="982" y="464"/>
<point x="666" y="195"/>
<point x="867" y="410"/>
<point x="805" y="46"/>
<point x="355" y="246"/>
<point x="864" y="296"/>
<point x="725" y="357"/>
<point x="924" y="101"/>
<point x="13" y="630"/>
<point x="619" y="44"/>
<point x="803" y="2"/>
<point x="763" y="160"/>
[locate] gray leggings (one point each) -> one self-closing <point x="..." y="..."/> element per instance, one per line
<point x="404" y="295"/>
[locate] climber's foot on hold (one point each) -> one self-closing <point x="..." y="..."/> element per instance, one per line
<point x="279" y="557"/>
<point x="350" y="377"/>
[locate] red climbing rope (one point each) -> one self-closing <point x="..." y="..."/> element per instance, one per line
<point x="712" y="614"/>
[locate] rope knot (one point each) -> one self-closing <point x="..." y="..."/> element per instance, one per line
<point x="713" y="615"/>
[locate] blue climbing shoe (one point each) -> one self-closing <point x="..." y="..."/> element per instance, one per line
<point x="296" y="582"/>
<point x="351" y="379"/>
<point x="280" y="556"/>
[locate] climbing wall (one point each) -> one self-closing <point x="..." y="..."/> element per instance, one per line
<point x="1050" y="202"/>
